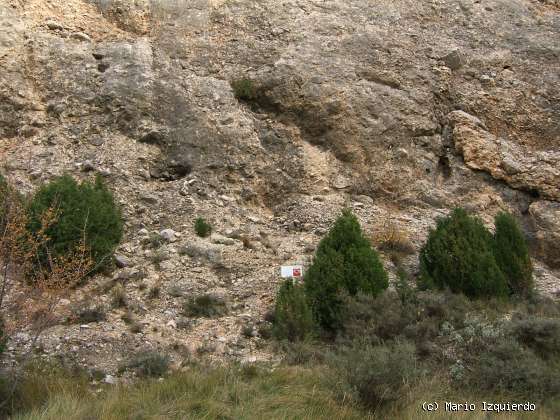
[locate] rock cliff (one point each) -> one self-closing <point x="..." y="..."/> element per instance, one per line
<point x="400" y="109"/>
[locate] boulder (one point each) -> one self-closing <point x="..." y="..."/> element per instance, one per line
<point x="546" y="222"/>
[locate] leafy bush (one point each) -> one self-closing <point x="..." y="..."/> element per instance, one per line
<point x="459" y="255"/>
<point x="204" y="306"/>
<point x="84" y="211"/>
<point x="304" y="352"/>
<point x="202" y="228"/>
<point x="377" y="375"/>
<point x="542" y="335"/>
<point x="506" y="366"/>
<point x="512" y="254"/>
<point x="293" y="318"/>
<point x="153" y="240"/>
<point x="244" y="89"/>
<point x="148" y="364"/>
<point x="344" y="262"/>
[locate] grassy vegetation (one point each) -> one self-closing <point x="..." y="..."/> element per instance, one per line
<point x="234" y="392"/>
<point x="201" y="392"/>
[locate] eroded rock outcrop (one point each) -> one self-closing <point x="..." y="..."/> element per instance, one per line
<point x="534" y="171"/>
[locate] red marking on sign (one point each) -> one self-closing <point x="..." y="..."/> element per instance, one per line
<point x="297" y="272"/>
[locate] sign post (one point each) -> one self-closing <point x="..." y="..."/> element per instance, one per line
<point x="292" y="271"/>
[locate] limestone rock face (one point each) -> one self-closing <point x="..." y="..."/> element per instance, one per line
<point x="546" y="218"/>
<point x="533" y="171"/>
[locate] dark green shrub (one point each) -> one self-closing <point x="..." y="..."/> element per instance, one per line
<point x="344" y="262"/>
<point x="459" y="255"/>
<point x="542" y="335"/>
<point x="202" y="228"/>
<point x="86" y="210"/>
<point x="204" y="306"/>
<point x="323" y="282"/>
<point x="512" y="254"/>
<point x="377" y="375"/>
<point x="148" y="364"/>
<point x="293" y="319"/>
<point x="244" y="89"/>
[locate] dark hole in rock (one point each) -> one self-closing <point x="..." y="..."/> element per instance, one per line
<point x="102" y="67"/>
<point x="444" y="167"/>
<point x="534" y="193"/>
<point x="98" y="56"/>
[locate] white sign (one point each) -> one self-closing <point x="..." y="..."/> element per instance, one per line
<point x="288" y="271"/>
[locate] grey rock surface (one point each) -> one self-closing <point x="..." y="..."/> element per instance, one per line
<point x="400" y="109"/>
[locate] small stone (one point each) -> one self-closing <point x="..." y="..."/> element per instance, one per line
<point x="111" y="380"/>
<point x="121" y="261"/>
<point x="453" y="60"/>
<point x="28" y="131"/>
<point x="223" y="240"/>
<point x="485" y="79"/>
<point x="510" y="166"/>
<point x="149" y="198"/>
<point x="96" y="141"/>
<point x="84" y="327"/>
<point x="87" y="166"/>
<point x="168" y="235"/>
<point x="171" y="324"/>
<point x="341" y="182"/>
<point x="80" y="36"/>
<point x="402" y="153"/>
<point x="54" y="26"/>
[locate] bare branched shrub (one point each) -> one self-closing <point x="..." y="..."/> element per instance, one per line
<point x="393" y="240"/>
<point x="32" y="286"/>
